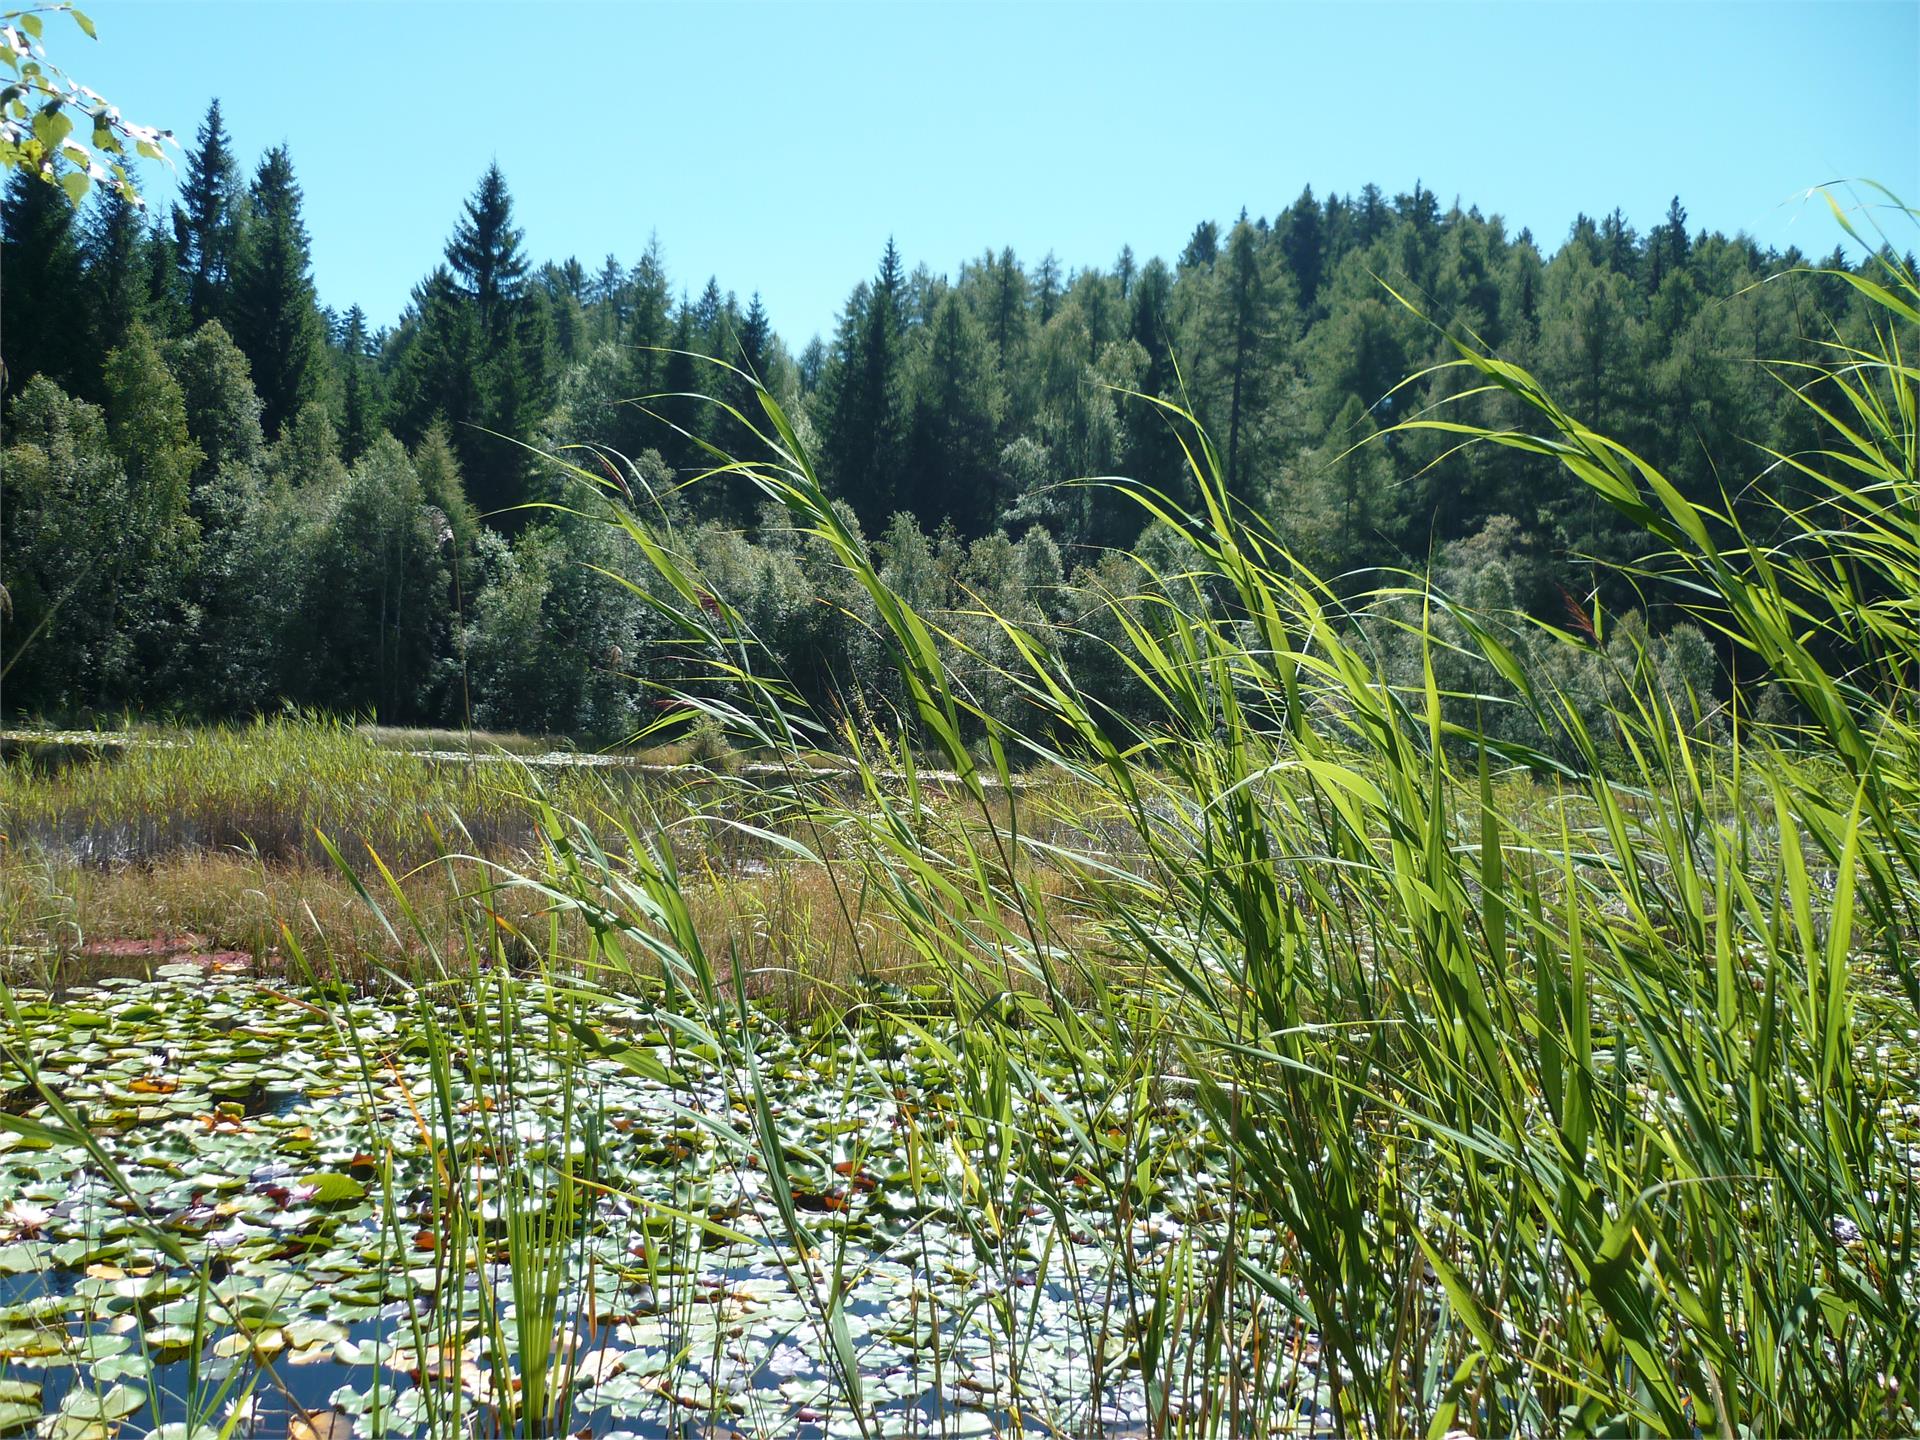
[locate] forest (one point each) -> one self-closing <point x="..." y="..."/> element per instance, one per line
<point x="225" y="498"/>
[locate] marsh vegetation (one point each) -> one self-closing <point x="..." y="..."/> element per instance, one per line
<point x="1522" y="1041"/>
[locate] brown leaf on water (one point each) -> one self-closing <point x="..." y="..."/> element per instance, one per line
<point x="321" y="1425"/>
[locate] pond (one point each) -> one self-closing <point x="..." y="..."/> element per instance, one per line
<point x="514" y="1207"/>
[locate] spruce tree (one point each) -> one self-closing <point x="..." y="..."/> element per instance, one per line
<point x="43" y="328"/>
<point x="274" y="318"/>
<point x="866" y="409"/>
<point x="707" y="313"/>
<point x="1302" y="244"/>
<point x="648" y="322"/>
<point x="751" y="357"/>
<point x="953" y="446"/>
<point x="514" y="333"/>
<point x="1203" y="247"/>
<point x="436" y="372"/>
<point x="1047" y="286"/>
<point x="608" y="292"/>
<point x="360" y="420"/>
<point x="210" y="223"/>
<point x="165" y="304"/>
<point x="114" y="256"/>
<point x="1006" y="308"/>
<point x="679" y="404"/>
<point x="486" y="256"/>
<point x="756" y="340"/>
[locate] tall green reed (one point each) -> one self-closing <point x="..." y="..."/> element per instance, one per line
<point x="1569" y="1103"/>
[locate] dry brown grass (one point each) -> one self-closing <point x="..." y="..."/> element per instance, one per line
<point x="808" y="941"/>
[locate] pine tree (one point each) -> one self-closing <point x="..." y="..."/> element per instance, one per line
<point x="43" y="328"/>
<point x="210" y="218"/>
<point x="274" y="318"/>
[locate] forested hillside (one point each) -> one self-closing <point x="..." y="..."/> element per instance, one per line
<point x="223" y="497"/>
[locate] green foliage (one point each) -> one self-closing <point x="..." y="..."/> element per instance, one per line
<point x="41" y="107"/>
<point x="223" y="410"/>
<point x="64" y="492"/>
<point x="147" y="430"/>
<point x="378" y="601"/>
<point x="271" y="306"/>
<point x="555" y="642"/>
<point x="209" y="220"/>
<point x="979" y="403"/>
<point x="45" y="329"/>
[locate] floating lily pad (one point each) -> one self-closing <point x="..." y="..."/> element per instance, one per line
<point x="330" y="1187"/>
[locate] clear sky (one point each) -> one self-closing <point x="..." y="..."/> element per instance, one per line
<point x="778" y="145"/>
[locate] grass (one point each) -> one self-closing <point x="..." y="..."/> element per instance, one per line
<point x="1536" y="1095"/>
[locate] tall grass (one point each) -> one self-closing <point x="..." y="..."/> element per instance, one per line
<point x="1582" y="1106"/>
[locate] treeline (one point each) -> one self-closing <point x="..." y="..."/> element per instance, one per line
<point x="221" y="497"/>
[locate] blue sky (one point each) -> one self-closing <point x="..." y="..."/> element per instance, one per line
<point x="779" y="145"/>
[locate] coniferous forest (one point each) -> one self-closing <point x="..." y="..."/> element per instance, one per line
<point x="224" y="497"/>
